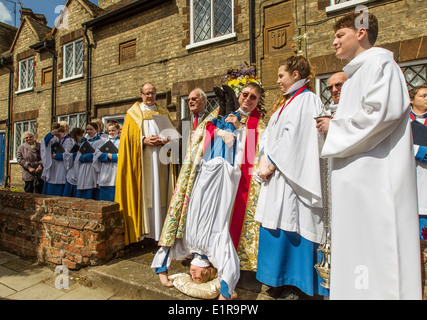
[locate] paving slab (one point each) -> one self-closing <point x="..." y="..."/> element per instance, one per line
<point x="5" y="291"/>
<point x="6" y="257"/>
<point x="25" y="278"/>
<point x="132" y="279"/>
<point x="39" y="291"/>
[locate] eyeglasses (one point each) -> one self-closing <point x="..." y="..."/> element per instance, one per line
<point x="337" y="85"/>
<point x="29" y="137"/>
<point x="251" y="96"/>
<point x="193" y="99"/>
<point x="148" y="94"/>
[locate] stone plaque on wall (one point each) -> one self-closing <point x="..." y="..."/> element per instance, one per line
<point x="277" y="39"/>
<point x="278" y="45"/>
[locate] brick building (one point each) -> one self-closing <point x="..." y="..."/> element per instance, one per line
<point x="92" y="63"/>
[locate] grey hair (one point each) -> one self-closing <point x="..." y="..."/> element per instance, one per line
<point x="26" y="134"/>
<point x="202" y="93"/>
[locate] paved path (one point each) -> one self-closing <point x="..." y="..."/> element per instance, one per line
<point x="128" y="277"/>
<point x="25" y="280"/>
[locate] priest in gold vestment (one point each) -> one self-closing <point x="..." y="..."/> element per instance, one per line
<point x="144" y="184"/>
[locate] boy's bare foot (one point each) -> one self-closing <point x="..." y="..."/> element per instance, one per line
<point x="164" y="279"/>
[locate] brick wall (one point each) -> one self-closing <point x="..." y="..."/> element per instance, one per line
<point x="60" y="230"/>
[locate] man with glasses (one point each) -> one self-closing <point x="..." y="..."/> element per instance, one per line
<point x="335" y="83"/>
<point x="144" y="184"/>
<point x="196" y="103"/>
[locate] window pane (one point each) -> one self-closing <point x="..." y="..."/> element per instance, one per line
<point x="415" y="75"/>
<point x="202" y="20"/>
<point x="18" y="134"/>
<point x="30" y="74"/>
<point x="78" y="56"/>
<point x="68" y="60"/>
<point x="325" y="95"/>
<point x="33" y="127"/>
<point x="222" y="17"/>
<point x="82" y="120"/>
<point x="72" y="122"/>
<point x="23" y="74"/>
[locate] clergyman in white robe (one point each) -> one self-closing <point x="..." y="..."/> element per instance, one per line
<point x="375" y="242"/>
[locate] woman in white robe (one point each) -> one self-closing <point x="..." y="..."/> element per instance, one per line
<point x="53" y="163"/>
<point x="105" y="164"/>
<point x="87" y="182"/>
<point x="290" y="202"/>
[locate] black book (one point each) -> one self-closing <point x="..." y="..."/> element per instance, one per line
<point x="86" y="148"/>
<point x="75" y="148"/>
<point x="57" y="148"/>
<point x="419" y="133"/>
<point x="109" y="147"/>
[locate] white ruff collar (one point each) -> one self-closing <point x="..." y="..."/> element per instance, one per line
<point x="297" y="85"/>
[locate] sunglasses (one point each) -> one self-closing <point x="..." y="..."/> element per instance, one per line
<point x="336" y="85"/>
<point x="251" y="96"/>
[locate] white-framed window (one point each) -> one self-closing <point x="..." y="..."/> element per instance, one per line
<point x="210" y="21"/>
<point x="336" y="5"/>
<point x="74" y="120"/>
<point x="211" y="104"/>
<point x="26" y="75"/>
<point x="20" y="128"/>
<point x="73" y="60"/>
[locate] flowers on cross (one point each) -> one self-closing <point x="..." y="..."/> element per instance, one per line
<point x="237" y="78"/>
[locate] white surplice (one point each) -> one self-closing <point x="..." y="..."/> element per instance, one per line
<point x="88" y="176"/>
<point x="292" y="199"/>
<point x="375" y="236"/>
<point x="54" y="171"/>
<point x="106" y="170"/>
<point x="156" y="214"/>
<point x="72" y="170"/>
